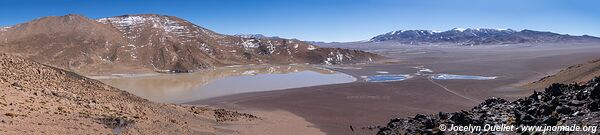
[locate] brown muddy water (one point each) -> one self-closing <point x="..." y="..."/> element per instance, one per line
<point x="182" y="88"/>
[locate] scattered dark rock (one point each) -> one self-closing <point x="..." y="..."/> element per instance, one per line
<point x="595" y="94"/>
<point x="223" y="115"/>
<point x="555" y="89"/>
<point x="564" y="110"/>
<point x="117" y="123"/>
<point x="12" y="115"/>
<point x="17" y="85"/>
<point x="558" y="104"/>
<point x="594" y="106"/>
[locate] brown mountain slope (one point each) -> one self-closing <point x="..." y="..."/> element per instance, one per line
<point x="68" y="42"/>
<point x="155" y="43"/>
<point x="579" y="73"/>
<point x="37" y="99"/>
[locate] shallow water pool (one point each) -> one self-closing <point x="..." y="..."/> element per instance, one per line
<point x="460" y="77"/>
<point x="386" y="78"/>
<point x="182" y="88"/>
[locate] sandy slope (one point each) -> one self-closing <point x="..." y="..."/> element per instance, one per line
<point x="579" y="73"/>
<point x="275" y="122"/>
<point x="37" y="99"/>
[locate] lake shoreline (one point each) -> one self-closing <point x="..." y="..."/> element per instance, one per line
<point x="334" y="108"/>
<point x="187" y="87"/>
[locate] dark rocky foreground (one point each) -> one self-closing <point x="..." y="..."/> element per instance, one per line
<point x="557" y="105"/>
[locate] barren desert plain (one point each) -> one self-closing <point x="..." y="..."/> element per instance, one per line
<point x="349" y="108"/>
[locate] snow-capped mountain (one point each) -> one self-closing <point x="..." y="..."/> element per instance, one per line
<point x="155" y="42"/>
<point x="471" y="36"/>
<point x="254" y="36"/>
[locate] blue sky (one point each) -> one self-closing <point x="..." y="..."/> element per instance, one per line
<point x="332" y="20"/>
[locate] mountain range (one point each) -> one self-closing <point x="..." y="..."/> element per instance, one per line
<point x="480" y="36"/>
<point x="254" y="36"/>
<point x="150" y="42"/>
<point x="465" y="37"/>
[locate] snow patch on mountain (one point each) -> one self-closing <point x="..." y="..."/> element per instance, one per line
<point x="175" y="27"/>
<point x="459" y="29"/>
<point x="250" y="43"/>
<point x="336" y="57"/>
<point x="311" y="47"/>
<point x="5" y="28"/>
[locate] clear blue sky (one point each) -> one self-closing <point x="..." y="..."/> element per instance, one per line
<point x="332" y="20"/>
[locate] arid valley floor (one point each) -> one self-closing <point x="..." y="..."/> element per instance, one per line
<point x="299" y="67"/>
<point x="347" y="108"/>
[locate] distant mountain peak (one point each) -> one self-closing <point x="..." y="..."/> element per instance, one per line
<point x="459" y="29"/>
<point x="476" y="36"/>
<point x="73" y="16"/>
<point x="65" y="18"/>
<point x="254" y="36"/>
<point x="128" y="20"/>
<point x="169" y="25"/>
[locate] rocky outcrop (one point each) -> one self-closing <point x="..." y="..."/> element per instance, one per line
<point x="151" y="42"/>
<point x="37" y="99"/>
<point x="558" y="104"/>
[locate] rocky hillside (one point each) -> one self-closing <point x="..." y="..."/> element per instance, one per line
<point x="579" y="73"/>
<point x="557" y="105"/>
<point x="477" y="37"/>
<point x="37" y="99"/>
<point x="155" y="43"/>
